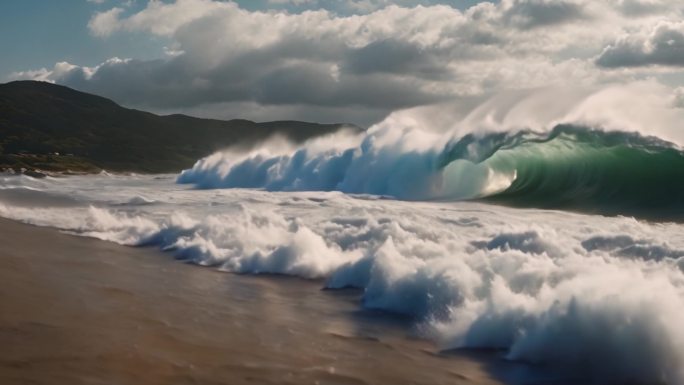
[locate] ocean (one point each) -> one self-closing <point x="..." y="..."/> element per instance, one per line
<point x="561" y="248"/>
<point x="597" y="295"/>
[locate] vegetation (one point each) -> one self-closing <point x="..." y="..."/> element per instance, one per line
<point x="54" y="128"/>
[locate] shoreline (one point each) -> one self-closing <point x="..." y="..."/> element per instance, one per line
<point x="80" y="311"/>
<point x="39" y="173"/>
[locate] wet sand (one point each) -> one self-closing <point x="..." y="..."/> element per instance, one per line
<point x="81" y="311"/>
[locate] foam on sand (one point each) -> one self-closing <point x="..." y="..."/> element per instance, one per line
<point x="592" y="297"/>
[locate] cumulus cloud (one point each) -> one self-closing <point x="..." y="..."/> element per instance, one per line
<point x="60" y="70"/>
<point x="382" y="58"/>
<point x="663" y="45"/>
<point x="104" y="23"/>
<point x="678" y="100"/>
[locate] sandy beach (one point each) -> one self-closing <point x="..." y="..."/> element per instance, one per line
<point x="75" y="310"/>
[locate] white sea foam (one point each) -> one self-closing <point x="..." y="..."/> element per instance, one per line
<point x="404" y="156"/>
<point x="596" y="298"/>
<point x="601" y="298"/>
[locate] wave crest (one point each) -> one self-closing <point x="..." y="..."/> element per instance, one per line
<point x="568" y="167"/>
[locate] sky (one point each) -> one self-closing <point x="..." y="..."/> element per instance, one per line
<point x="336" y="60"/>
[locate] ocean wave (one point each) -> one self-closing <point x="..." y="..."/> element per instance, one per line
<point x="586" y="169"/>
<point x="601" y="300"/>
<point x="568" y="167"/>
<point x="595" y="150"/>
<point x="598" y="299"/>
<point x="34" y="197"/>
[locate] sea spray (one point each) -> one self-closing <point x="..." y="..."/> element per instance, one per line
<point x="593" y="298"/>
<point x="576" y="152"/>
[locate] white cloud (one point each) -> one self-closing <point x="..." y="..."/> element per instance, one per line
<point x="662" y="45"/>
<point x="158" y="17"/>
<point x="678" y="98"/>
<point x="380" y="59"/>
<point x="105" y="23"/>
<point x="59" y="71"/>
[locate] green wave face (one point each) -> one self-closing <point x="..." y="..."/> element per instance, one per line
<point x="576" y="168"/>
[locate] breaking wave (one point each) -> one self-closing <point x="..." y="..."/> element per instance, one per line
<point x="612" y="150"/>
<point x="580" y="168"/>
<point x="568" y="167"/>
<point x="598" y="299"/>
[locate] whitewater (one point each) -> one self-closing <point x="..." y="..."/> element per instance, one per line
<point x="547" y="229"/>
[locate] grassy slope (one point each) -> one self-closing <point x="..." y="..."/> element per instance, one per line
<point x="40" y="119"/>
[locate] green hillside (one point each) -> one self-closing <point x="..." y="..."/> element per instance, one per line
<point x="54" y="128"/>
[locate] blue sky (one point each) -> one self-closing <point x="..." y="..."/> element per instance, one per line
<point x="39" y="33"/>
<point x="357" y="60"/>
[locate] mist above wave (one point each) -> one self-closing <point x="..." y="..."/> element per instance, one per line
<point x="518" y="144"/>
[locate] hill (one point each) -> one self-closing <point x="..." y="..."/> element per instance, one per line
<point x="48" y="127"/>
